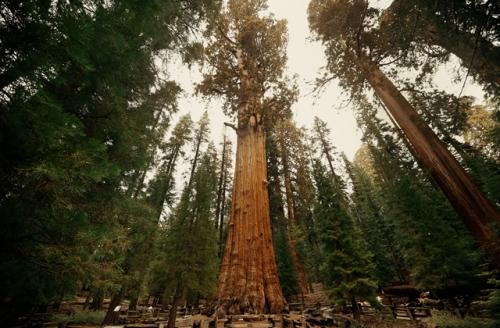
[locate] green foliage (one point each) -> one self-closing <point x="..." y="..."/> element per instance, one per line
<point x="85" y="317"/>
<point x="187" y="250"/>
<point x="435" y="247"/>
<point x="492" y="301"/>
<point x="449" y="320"/>
<point x="346" y="264"/>
<point x="286" y="270"/>
<point x="81" y="111"/>
<point x="377" y="230"/>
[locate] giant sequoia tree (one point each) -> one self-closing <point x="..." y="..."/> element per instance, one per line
<point x="353" y="53"/>
<point x="246" y="59"/>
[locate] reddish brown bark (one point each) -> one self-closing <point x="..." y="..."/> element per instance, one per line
<point x="477" y="212"/>
<point x="248" y="281"/>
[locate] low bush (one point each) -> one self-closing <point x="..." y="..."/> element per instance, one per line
<point x="85" y="317"/>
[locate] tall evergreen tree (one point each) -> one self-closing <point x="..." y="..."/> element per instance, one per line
<point x="246" y="62"/>
<point x="190" y="230"/>
<point x="345" y="27"/>
<point x="288" y="138"/>
<point x="80" y="93"/>
<point x="281" y="234"/>
<point x="347" y="268"/>
<point x="223" y="187"/>
<point x="423" y="221"/>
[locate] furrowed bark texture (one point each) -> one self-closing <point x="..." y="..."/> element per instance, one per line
<point x="478" y="213"/>
<point x="248" y="281"/>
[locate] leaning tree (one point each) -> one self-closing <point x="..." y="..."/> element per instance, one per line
<point x="246" y="59"/>
<point x="354" y="52"/>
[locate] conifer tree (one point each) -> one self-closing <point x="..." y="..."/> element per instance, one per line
<point x="347" y="268"/>
<point x="288" y="138"/>
<point x="246" y="60"/>
<point x="353" y="52"/>
<point x="376" y="228"/>
<point x="281" y="234"/>
<point x="223" y="187"/>
<point x="423" y="222"/>
<point x="80" y="94"/>
<point x="190" y="230"/>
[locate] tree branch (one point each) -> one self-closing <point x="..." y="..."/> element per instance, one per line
<point x="232" y="126"/>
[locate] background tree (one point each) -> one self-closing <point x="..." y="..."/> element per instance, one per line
<point x="281" y="235"/>
<point x="346" y="267"/>
<point x="80" y="93"/>
<point x="422" y="221"/>
<point x="466" y="29"/>
<point x="190" y="230"/>
<point x="223" y="187"/>
<point x="288" y="140"/>
<point x="346" y="29"/>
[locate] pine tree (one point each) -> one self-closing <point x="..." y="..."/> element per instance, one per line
<point x="281" y="235"/>
<point x="190" y="230"/>
<point x="376" y="229"/>
<point x="347" y="268"/>
<point x="223" y="185"/>
<point x="287" y="141"/>
<point x="160" y="189"/>
<point x="436" y="249"/>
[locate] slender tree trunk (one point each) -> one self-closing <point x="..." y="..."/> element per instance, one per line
<point x="478" y="213"/>
<point x="172" y="314"/>
<point x="220" y="183"/>
<point x="142" y="176"/>
<point x="293" y="222"/>
<point x="195" y="161"/>
<point x="168" y="179"/>
<point x="356" y="311"/>
<point x="133" y="303"/>
<point x="248" y="280"/>
<point x="111" y="315"/>
<point x="97" y="300"/>
<point x="223" y="210"/>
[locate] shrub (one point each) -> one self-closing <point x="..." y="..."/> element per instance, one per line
<point x="447" y="320"/>
<point x="85" y="317"/>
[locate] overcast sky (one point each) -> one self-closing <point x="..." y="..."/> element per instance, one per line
<point x="305" y="58"/>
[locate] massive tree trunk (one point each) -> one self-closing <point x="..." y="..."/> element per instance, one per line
<point x="248" y="281"/>
<point x="477" y="212"/>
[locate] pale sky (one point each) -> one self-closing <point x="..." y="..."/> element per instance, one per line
<point x="305" y="58"/>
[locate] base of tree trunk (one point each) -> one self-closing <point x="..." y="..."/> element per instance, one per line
<point x="248" y="280"/>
